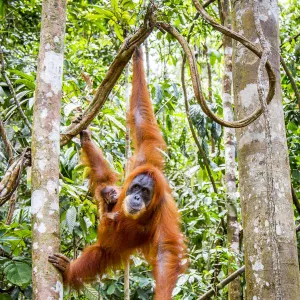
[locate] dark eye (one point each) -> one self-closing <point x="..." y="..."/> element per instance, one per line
<point x="135" y="187"/>
<point x="145" y="191"/>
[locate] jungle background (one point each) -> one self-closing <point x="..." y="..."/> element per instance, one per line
<point x="94" y="32"/>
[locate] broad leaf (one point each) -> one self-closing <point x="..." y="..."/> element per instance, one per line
<point x="71" y="218"/>
<point x="17" y="272"/>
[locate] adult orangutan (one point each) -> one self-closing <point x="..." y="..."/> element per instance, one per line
<point x="142" y="216"/>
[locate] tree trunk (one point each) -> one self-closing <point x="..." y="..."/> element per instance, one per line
<point x="230" y="164"/>
<point x="11" y="209"/>
<point x="47" y="282"/>
<point x="272" y="270"/>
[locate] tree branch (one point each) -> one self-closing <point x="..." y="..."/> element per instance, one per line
<point x="291" y="78"/>
<point x="114" y="72"/>
<point x="294" y="37"/>
<point x="8" y="147"/>
<point x="208" y="2"/>
<point x="295" y="199"/>
<point x="103" y="91"/>
<point x="196" y="79"/>
<point x="208" y="67"/>
<point x="11" y="178"/>
<point x="205" y="4"/>
<point x="11" y="209"/>
<point x="248" y="44"/>
<point x="195" y="137"/>
<point x="229" y="279"/>
<point x="223" y="283"/>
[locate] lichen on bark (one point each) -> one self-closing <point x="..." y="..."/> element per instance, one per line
<point x="265" y="227"/>
<point x="233" y="229"/>
<point x="47" y="282"/>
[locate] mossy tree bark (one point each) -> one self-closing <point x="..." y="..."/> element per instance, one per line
<point x="47" y="282"/>
<point x="272" y="270"/>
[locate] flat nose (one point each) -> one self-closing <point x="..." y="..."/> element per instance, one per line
<point x="136" y="201"/>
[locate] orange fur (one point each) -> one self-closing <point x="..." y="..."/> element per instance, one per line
<point x="156" y="231"/>
<point x="146" y="136"/>
<point x="101" y="175"/>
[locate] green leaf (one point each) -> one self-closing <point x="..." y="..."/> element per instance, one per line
<point x="95" y="17"/>
<point x="116" y="122"/>
<point x="142" y="295"/>
<point x="115" y="5"/>
<point x="222" y="213"/>
<point x="192" y="171"/>
<point x="175" y="90"/>
<point x="214" y="56"/>
<point x="198" y="119"/>
<point x="119" y="32"/>
<point x="22" y="94"/>
<point x="5" y="248"/>
<point x="17" y="272"/>
<point x="90" y="293"/>
<point x="23" y="233"/>
<point x="27" y="83"/>
<point x="111" y="289"/>
<point x="15" y="128"/>
<point x="182" y="280"/>
<point x="23" y="75"/>
<point x="87" y="222"/>
<point x="127" y="4"/>
<point x="176" y="291"/>
<point x="216" y="131"/>
<point x="169" y="122"/>
<point x="30" y="102"/>
<point x="158" y="93"/>
<point x="83" y="226"/>
<point x="105" y="13"/>
<point x="2" y="9"/>
<point x="126" y="16"/>
<point x="71" y="218"/>
<point x="3" y="260"/>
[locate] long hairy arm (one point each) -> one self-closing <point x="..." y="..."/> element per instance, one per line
<point x="146" y="136"/>
<point x="95" y="260"/>
<point x="101" y="175"/>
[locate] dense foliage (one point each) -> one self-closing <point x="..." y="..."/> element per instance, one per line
<point x="95" y="30"/>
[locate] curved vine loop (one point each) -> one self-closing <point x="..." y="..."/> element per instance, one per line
<point x="195" y="75"/>
<point x="112" y="75"/>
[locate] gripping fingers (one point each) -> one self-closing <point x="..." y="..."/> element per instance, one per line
<point x="112" y="215"/>
<point x="59" y="267"/>
<point x="57" y="264"/>
<point x="61" y="256"/>
<point x="60" y="261"/>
